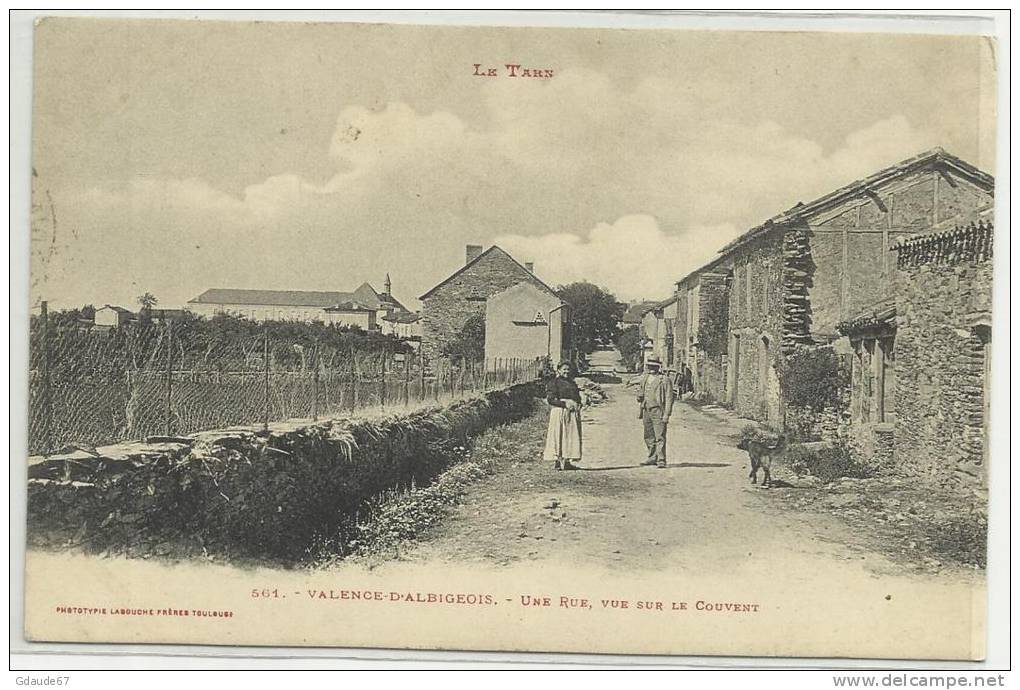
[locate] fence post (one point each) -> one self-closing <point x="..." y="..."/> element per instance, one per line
<point x="421" y="375"/>
<point x="265" y="374"/>
<point x="169" y="377"/>
<point x="315" y="382"/>
<point x="44" y="316"/>
<point x="355" y="374"/>
<point x="382" y="379"/>
<point x="407" y="379"/>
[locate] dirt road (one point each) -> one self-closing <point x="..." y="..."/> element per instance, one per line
<point x="612" y="558"/>
<point x="700" y="515"/>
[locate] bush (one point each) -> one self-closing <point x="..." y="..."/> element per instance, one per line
<point x="962" y="538"/>
<point x="827" y="462"/>
<point x="628" y="342"/>
<point x="815" y="378"/>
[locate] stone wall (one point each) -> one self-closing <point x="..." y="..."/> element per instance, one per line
<point x="713" y="341"/>
<point x="445" y="311"/>
<point x="852" y="265"/>
<point x="755" y="315"/>
<point x="943" y="295"/>
<point x="244" y="493"/>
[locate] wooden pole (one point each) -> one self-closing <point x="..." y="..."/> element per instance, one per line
<point x="47" y="430"/>
<point x="168" y="422"/>
<point x="421" y="377"/>
<point x="265" y="373"/>
<point x="315" y="382"/>
<point x="407" y="379"/>
<point x="354" y="378"/>
<point x="382" y="379"/>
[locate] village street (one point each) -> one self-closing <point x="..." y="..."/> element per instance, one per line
<point x="700" y="515"/>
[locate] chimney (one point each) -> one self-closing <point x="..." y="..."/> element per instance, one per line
<point x="530" y="265"/>
<point x="387" y="286"/>
<point x="473" y="252"/>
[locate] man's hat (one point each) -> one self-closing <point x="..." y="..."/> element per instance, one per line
<point x="654" y="361"/>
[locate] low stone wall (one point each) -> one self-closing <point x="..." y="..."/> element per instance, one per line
<point x="245" y="493"/>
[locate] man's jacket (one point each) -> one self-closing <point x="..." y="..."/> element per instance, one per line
<point x="655" y="391"/>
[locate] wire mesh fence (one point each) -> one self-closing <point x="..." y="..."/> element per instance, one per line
<point x="89" y="386"/>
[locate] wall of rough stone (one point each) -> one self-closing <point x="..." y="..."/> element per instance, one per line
<point x="244" y="493"/>
<point x="713" y="341"/>
<point x="445" y="311"/>
<point x="756" y="296"/>
<point x="850" y="245"/>
<point x="940" y="352"/>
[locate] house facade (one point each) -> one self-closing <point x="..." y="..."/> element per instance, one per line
<point x="700" y="326"/>
<point x="657" y="327"/>
<point x="921" y="363"/>
<point x="526" y="321"/>
<point x="449" y="305"/>
<point x="111" y="316"/>
<point x="791" y="280"/>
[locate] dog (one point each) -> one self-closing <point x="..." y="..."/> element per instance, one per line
<point x="762" y="451"/>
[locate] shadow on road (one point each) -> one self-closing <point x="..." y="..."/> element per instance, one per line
<point x="601" y="377"/>
<point x="603" y="469"/>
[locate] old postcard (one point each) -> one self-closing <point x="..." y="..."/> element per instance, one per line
<point x="657" y="341"/>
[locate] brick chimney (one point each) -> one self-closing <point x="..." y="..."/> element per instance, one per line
<point x="530" y="265"/>
<point x="473" y="252"/>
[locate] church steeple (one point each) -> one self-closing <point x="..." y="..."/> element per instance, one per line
<point x="387" y="286"/>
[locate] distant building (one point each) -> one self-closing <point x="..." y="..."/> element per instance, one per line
<point x="448" y="305"/>
<point x="402" y="324"/>
<point x="526" y="321"/>
<point x="657" y="330"/>
<point x="634" y="313"/>
<point x="364" y="307"/>
<point x="111" y="316"/>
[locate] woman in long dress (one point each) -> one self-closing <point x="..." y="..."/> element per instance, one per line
<point x="563" y="440"/>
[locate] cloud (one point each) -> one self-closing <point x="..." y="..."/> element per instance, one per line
<point x="632" y="257"/>
<point x="629" y="188"/>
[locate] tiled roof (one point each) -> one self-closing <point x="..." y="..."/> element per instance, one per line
<point x="879" y="315"/>
<point x="636" y="311"/>
<point x="280" y="298"/>
<point x="491" y="250"/>
<point x="402" y="317"/>
<point x="936" y="155"/>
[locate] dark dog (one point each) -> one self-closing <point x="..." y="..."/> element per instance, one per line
<point x="762" y="452"/>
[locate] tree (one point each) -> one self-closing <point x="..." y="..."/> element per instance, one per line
<point x="628" y="342"/>
<point x="470" y="341"/>
<point x="148" y="301"/>
<point x="594" y="313"/>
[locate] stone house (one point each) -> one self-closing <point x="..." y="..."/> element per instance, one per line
<point x="700" y="325"/>
<point x="112" y="316"/>
<point x="791" y="280"/>
<point x="919" y="393"/>
<point x="657" y="325"/>
<point x="526" y="321"/>
<point x="448" y="305"/>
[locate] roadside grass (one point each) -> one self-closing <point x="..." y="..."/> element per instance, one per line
<point x="401" y="518"/>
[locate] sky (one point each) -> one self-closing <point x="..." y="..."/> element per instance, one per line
<point x="174" y="156"/>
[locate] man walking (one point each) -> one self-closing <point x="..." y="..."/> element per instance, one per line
<point x="655" y="398"/>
